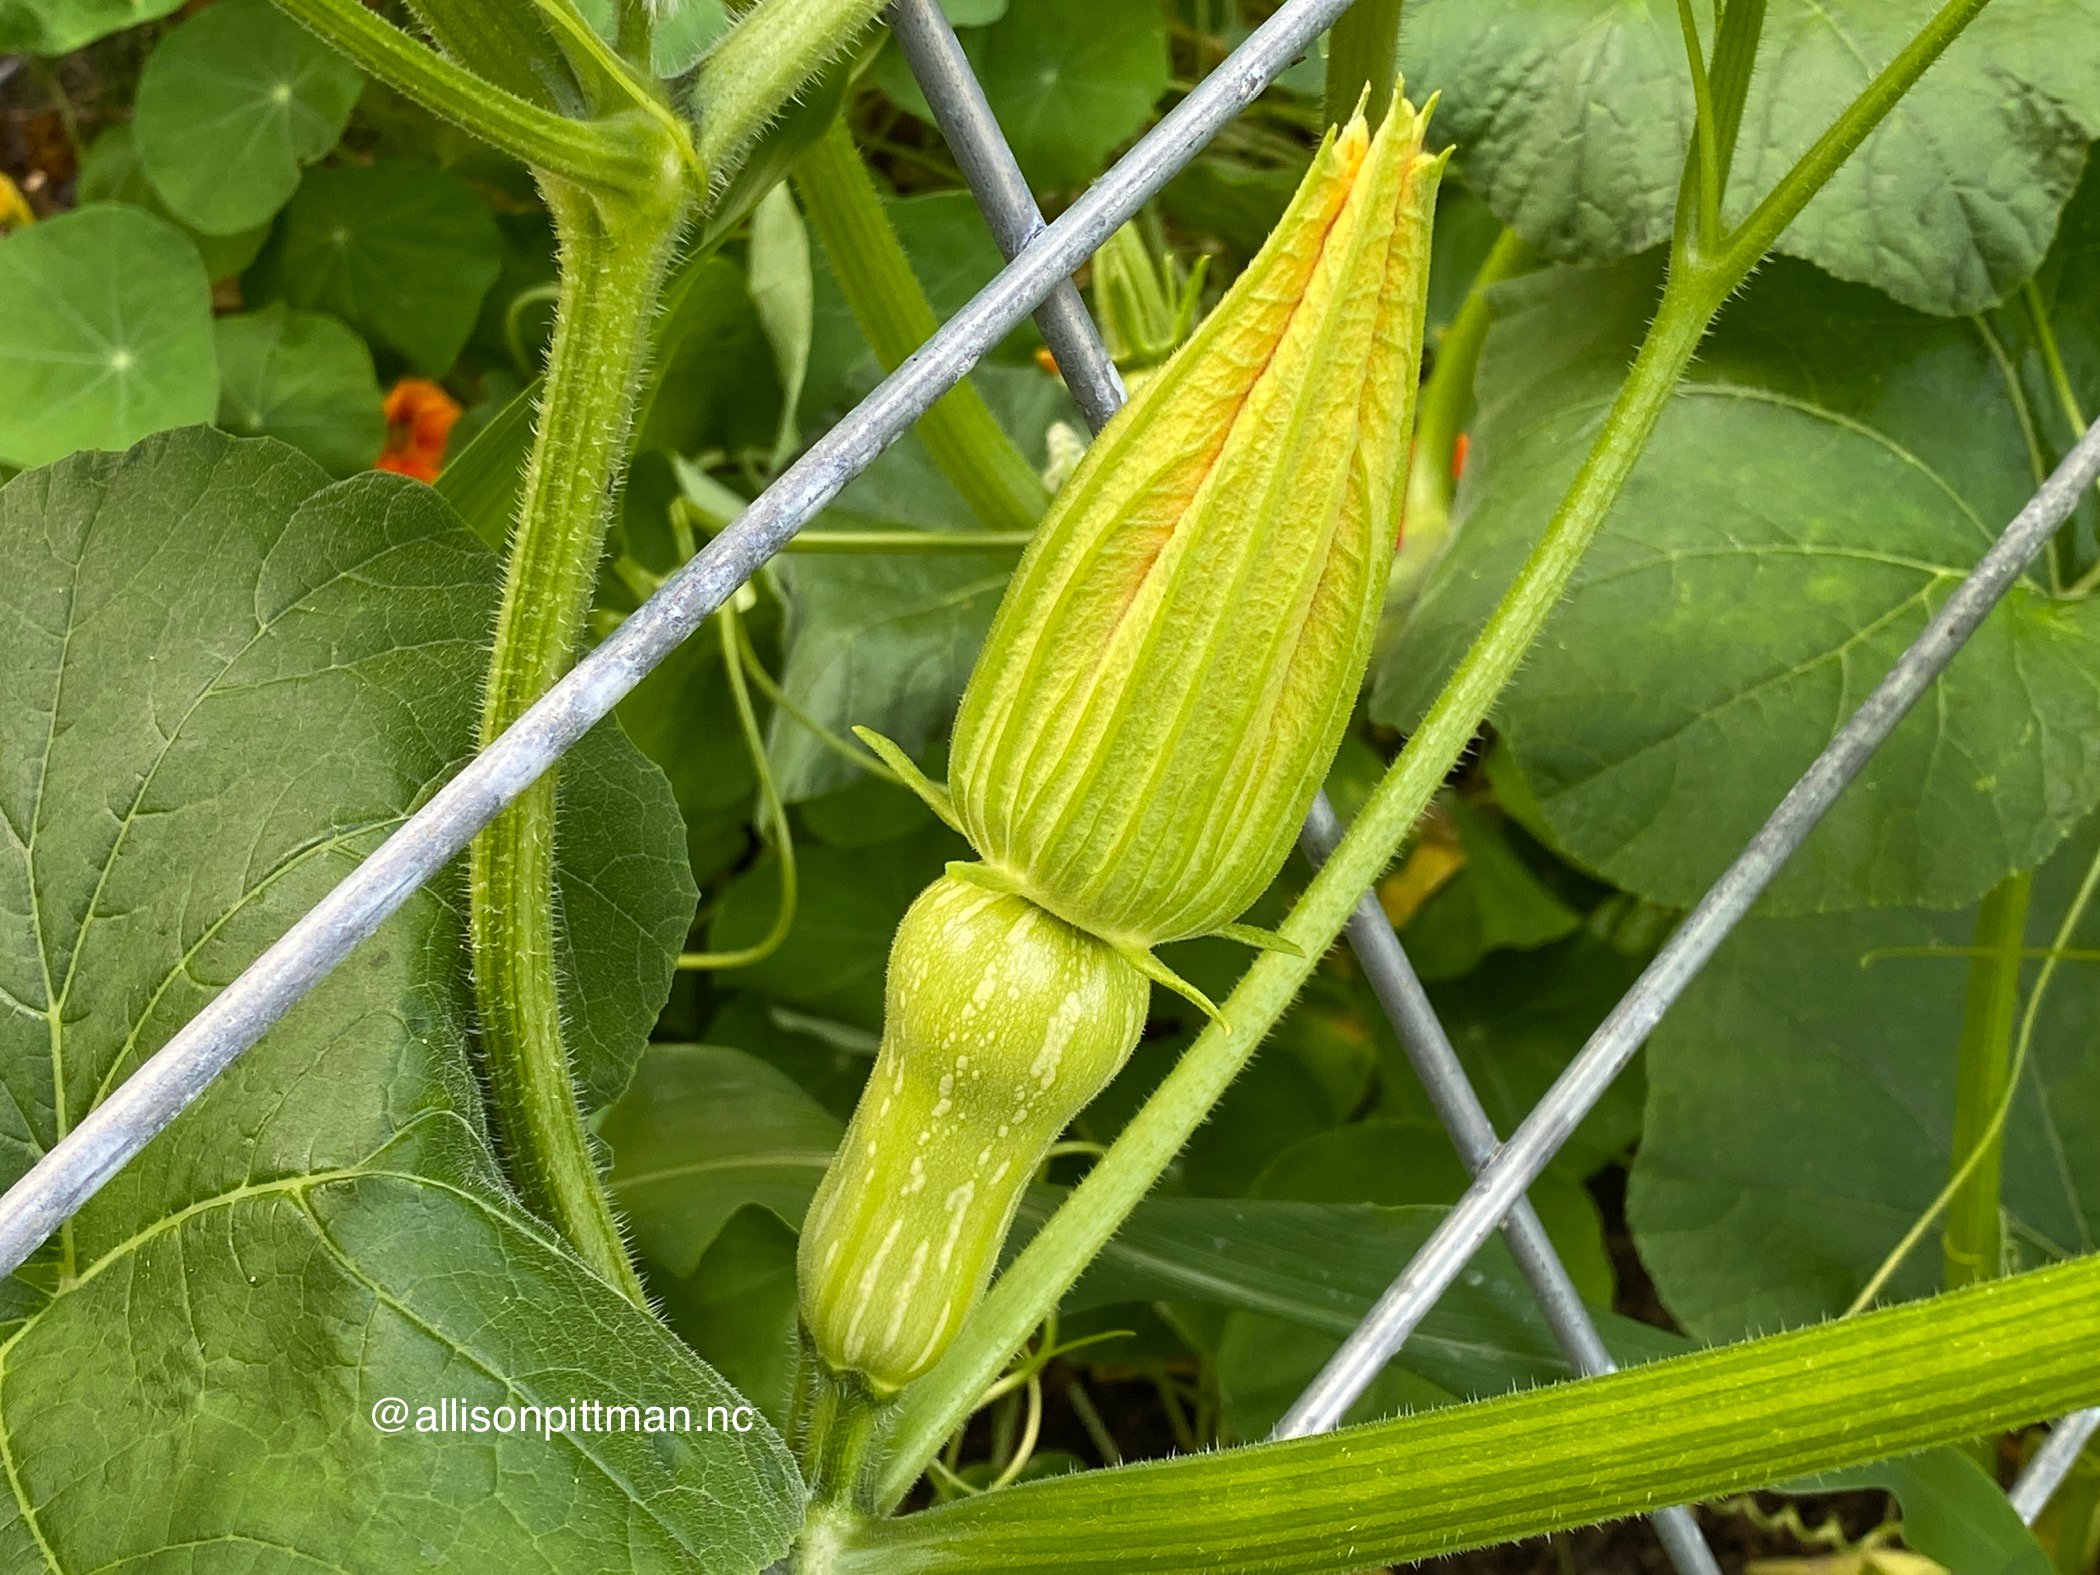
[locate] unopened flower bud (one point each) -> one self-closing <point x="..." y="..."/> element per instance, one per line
<point x="1172" y="667"/>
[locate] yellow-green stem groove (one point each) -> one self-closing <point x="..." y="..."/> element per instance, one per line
<point x="613" y="261"/>
<point x="967" y="443"/>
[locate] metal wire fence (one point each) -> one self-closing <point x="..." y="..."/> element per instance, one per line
<point x="1037" y="280"/>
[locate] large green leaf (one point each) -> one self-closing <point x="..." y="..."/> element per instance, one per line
<point x="236" y="679"/>
<point x="106" y="336"/>
<point x="1572" y="117"/>
<point x="402" y="252"/>
<point x="231" y="106"/>
<point x="57" y="27"/>
<point x="1800" y="1112"/>
<point x="305" y="379"/>
<point x="1833" y="469"/>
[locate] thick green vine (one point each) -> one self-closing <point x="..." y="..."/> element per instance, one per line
<point x="613" y="263"/>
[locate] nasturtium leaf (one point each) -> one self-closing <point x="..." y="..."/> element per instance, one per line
<point x="1573" y="117"/>
<point x="237" y="678"/>
<point x="402" y="252"/>
<point x="305" y="379"/>
<point x="706" y="1131"/>
<point x="106" y="336"/>
<point x="231" y="106"/>
<point x="1832" y="469"/>
<point x="58" y="27"/>
<point x="110" y="173"/>
<point x="1070" y="80"/>
<point x="1801" y="1102"/>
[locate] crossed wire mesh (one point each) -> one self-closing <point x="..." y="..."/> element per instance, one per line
<point x="1038" y="280"/>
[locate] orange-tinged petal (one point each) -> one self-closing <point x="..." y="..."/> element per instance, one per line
<point x="420" y="416"/>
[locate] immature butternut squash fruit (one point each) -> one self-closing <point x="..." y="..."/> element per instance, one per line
<point x="1163" y="688"/>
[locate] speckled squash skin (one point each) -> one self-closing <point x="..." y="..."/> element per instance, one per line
<point x="1001" y="1022"/>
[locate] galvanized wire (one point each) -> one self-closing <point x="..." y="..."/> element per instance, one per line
<point x="1452" y="1245"/>
<point x="79" y="1163"/>
<point x="2052" y="1463"/>
<point x="975" y="138"/>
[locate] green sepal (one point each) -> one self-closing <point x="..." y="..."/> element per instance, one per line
<point x="984" y="875"/>
<point x="1159" y="973"/>
<point x="919" y="782"/>
<point x="1260" y="939"/>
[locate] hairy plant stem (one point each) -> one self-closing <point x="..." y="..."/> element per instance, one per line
<point x="1983" y="1081"/>
<point x="768" y="58"/>
<point x="614" y="152"/>
<point x="1363" y="54"/>
<point x="1698" y="283"/>
<point x="831" y="1422"/>
<point x="613" y="258"/>
<point x="1699" y="1426"/>
<point x="967" y="443"/>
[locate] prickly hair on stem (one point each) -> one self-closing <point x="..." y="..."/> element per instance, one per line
<point x="765" y="63"/>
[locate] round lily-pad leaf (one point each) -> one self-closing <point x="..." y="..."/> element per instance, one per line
<point x="231" y="106"/>
<point x="402" y="252"/>
<point x="304" y="378"/>
<point x="106" y="336"/>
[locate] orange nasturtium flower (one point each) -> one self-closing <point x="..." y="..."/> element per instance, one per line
<point x="419" y="419"/>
